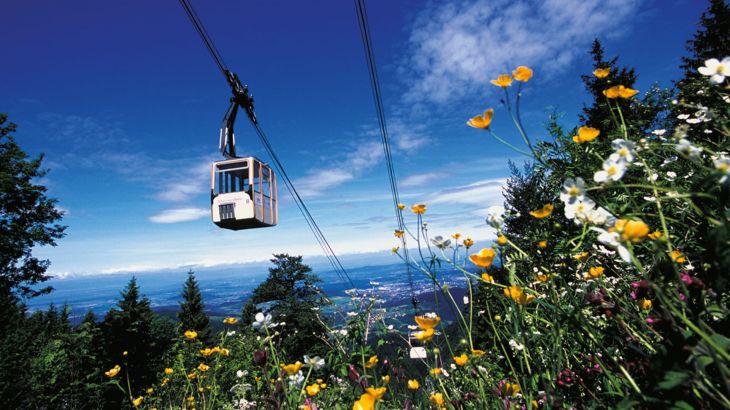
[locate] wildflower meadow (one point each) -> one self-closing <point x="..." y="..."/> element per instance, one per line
<point x="606" y="285"/>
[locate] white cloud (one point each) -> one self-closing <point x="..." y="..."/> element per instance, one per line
<point x="171" y="216"/>
<point x="457" y="48"/>
<point x="483" y="193"/>
<point x="421" y="179"/>
<point x="359" y="158"/>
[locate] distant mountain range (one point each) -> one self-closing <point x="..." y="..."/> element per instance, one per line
<point x="226" y="289"/>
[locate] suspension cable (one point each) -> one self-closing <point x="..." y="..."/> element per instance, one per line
<point x="313" y="226"/>
<point x="362" y="19"/>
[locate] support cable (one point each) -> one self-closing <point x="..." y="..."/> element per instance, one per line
<point x="362" y="20"/>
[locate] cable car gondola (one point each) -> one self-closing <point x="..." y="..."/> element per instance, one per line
<point x="243" y="194"/>
<point x="242" y="189"/>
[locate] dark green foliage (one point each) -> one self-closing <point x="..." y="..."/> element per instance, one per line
<point x="192" y="311"/>
<point x="291" y="294"/>
<point x="27" y="219"/>
<point x="712" y="40"/>
<point x="48" y="364"/>
<point x="597" y="114"/>
<point x="135" y="329"/>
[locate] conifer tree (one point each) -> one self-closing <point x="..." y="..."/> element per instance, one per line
<point x="293" y="298"/>
<point x="192" y="315"/>
<point x="133" y="328"/>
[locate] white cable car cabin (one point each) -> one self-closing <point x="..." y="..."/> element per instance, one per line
<point x="243" y="194"/>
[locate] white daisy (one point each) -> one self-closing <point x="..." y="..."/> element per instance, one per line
<point x="579" y="209"/>
<point x="685" y="147"/>
<point x="573" y="190"/>
<point x="612" y="239"/>
<point x="612" y="171"/>
<point x="716" y="70"/>
<point x="722" y="164"/>
<point x="624" y="150"/>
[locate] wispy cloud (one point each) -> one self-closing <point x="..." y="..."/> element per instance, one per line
<point x="456" y="47"/>
<point x="418" y="180"/>
<point x="171" y="216"/>
<point x="358" y="158"/>
<point x="483" y="193"/>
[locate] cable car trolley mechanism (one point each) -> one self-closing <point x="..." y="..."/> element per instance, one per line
<point x="242" y="189"/>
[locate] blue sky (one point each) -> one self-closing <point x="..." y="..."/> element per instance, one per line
<point x="125" y="103"/>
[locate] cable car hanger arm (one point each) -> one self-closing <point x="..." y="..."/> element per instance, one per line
<point x="241" y="98"/>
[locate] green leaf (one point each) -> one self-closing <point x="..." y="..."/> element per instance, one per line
<point x="683" y="405"/>
<point x="673" y="379"/>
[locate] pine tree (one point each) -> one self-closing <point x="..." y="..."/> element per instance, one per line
<point x="292" y="297"/>
<point x="136" y="330"/>
<point x="712" y="40"/>
<point x="192" y="311"/>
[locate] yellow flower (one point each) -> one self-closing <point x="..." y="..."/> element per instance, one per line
<point x="401" y="206"/>
<point x="190" y="334"/>
<point x="137" y="401"/>
<point x="456" y="236"/>
<point x="502" y="240"/>
<point x="207" y="351"/>
<point x="678" y="256"/>
<point x="376" y="393"/>
<point x="203" y="367"/>
<point x="168" y="370"/>
<point x="426" y="322"/>
<point x="372" y="361"/>
<point x="655" y="235"/>
<point x="437" y="399"/>
<point x="398" y="233"/>
<point x="292" y="368"/>
<point x="510" y="389"/>
<point x="542" y="278"/>
<point x="424" y="335"/>
<point x="313" y="389"/>
<point x="581" y="257"/>
<point x="366" y="402"/>
<point x="630" y="230"/>
<point x="487" y="278"/>
<point x="619" y="91"/>
<point x="602" y="72"/>
<point x="418" y="209"/>
<point x="124" y="353"/>
<point x="478" y="353"/>
<point x="413" y="384"/>
<point x="646" y="304"/>
<point x="436" y="371"/>
<point x="542" y="244"/>
<point x="515" y="293"/>
<point x="113" y="371"/>
<point x="504" y="81"/>
<point x="192" y="375"/>
<point x="482" y="121"/>
<point x="461" y="360"/>
<point x="230" y="321"/>
<point x="522" y="73"/>
<point x="150" y="390"/>
<point x="164" y="381"/>
<point x="586" y="134"/>
<point x="468" y="242"/>
<point x="484" y="258"/>
<point x="385" y="379"/>
<point x="544" y="212"/>
<point x="594" y="272"/>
